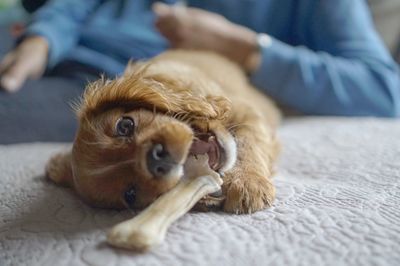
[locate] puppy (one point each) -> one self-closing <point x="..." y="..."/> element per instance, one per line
<point x="136" y="131"/>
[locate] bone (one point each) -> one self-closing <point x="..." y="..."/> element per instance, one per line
<point x="149" y="228"/>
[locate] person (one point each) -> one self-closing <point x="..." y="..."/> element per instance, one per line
<point x="319" y="57"/>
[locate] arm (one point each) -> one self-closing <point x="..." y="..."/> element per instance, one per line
<point x="344" y="71"/>
<point x="52" y="33"/>
<point x="59" y="22"/>
<point x="347" y="72"/>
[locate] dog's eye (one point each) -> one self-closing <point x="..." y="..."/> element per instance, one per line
<point x="125" y="127"/>
<point x="130" y="196"/>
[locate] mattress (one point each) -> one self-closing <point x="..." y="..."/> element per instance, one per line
<point x="338" y="198"/>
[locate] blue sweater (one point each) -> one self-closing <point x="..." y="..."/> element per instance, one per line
<point x="326" y="57"/>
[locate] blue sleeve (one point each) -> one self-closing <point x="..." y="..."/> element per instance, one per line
<point x="59" y="22"/>
<point x="347" y="70"/>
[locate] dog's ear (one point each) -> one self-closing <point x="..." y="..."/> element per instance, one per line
<point x="59" y="169"/>
<point x="139" y="87"/>
<point x="177" y="98"/>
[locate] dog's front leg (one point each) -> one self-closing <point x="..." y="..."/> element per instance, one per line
<point x="248" y="186"/>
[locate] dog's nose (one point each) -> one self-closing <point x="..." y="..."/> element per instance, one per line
<point x="159" y="161"/>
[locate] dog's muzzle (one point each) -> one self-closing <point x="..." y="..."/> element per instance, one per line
<point x="159" y="161"/>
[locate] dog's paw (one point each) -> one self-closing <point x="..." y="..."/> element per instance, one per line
<point x="248" y="194"/>
<point x="58" y="169"/>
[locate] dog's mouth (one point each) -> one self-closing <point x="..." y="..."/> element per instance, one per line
<point x="207" y="143"/>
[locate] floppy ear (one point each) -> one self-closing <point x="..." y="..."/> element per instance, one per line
<point x="178" y="98"/>
<point x="59" y="169"/>
<point x="139" y="87"/>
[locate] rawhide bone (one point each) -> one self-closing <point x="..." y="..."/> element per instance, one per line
<point x="148" y="228"/>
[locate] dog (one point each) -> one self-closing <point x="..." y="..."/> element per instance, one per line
<point x="136" y="131"/>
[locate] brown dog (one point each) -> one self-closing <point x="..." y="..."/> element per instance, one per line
<point x="136" y="132"/>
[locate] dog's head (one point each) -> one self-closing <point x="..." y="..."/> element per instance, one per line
<point x="135" y="133"/>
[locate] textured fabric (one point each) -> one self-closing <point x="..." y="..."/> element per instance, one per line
<point x="338" y="197"/>
<point x="326" y="57"/>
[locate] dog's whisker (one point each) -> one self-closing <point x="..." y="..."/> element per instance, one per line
<point x="236" y="125"/>
<point x="186" y="117"/>
<point x="98" y="143"/>
<point x="188" y="120"/>
<point x="105" y="169"/>
<point x="105" y="143"/>
<point x="154" y="116"/>
<point x="176" y="115"/>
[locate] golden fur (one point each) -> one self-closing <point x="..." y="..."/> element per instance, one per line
<point x="172" y="97"/>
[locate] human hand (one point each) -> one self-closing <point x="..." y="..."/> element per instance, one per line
<point x="27" y="60"/>
<point x="192" y="28"/>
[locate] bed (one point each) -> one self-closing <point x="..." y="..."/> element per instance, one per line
<point x="338" y="198"/>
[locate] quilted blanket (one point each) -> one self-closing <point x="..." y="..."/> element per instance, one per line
<point x="338" y="198"/>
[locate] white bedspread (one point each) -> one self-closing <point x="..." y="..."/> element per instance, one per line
<point x="338" y="198"/>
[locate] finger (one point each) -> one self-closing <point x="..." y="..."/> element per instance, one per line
<point x="170" y="16"/>
<point x="14" y="77"/>
<point x="161" y="10"/>
<point x="170" y="23"/>
<point x="10" y="84"/>
<point x="6" y="62"/>
<point x="172" y="34"/>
